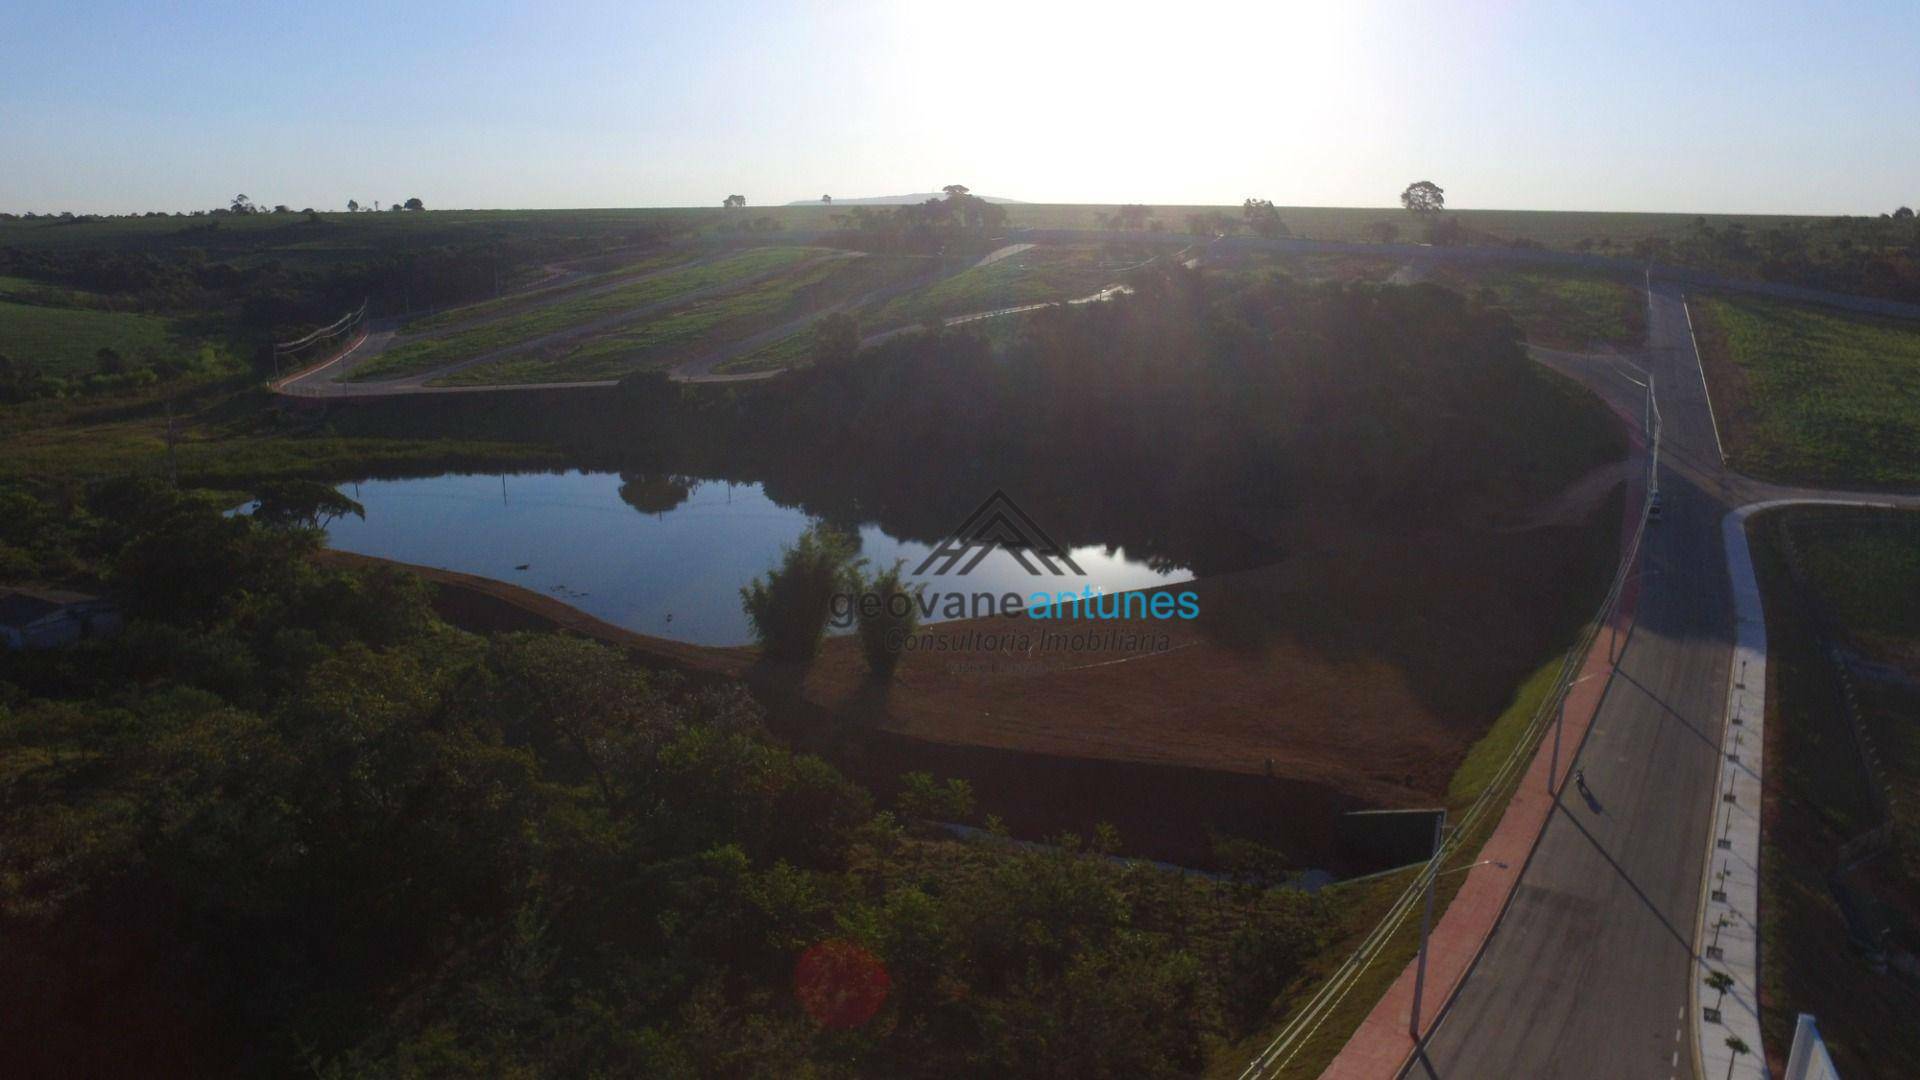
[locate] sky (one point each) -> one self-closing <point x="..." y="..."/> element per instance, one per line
<point x="1633" y="105"/>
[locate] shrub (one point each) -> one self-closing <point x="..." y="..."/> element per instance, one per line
<point x="788" y="610"/>
<point x="887" y="611"/>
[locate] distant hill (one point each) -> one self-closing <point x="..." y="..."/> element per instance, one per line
<point x="896" y="200"/>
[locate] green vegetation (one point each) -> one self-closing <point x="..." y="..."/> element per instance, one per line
<point x="1840" y="577"/>
<point x="415" y="356"/>
<point x="1037" y="275"/>
<point x="696" y="329"/>
<point x="1559" y="307"/>
<point x="524" y="853"/>
<point x="1804" y="395"/>
<point x="65" y="342"/>
<point x="788" y="609"/>
<point x="499" y="306"/>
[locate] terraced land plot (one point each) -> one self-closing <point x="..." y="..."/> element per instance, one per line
<point x="536" y="297"/>
<point x="577" y="311"/>
<point x="1038" y="275"/>
<point x="1562" y="308"/>
<point x="1807" y="395"/>
<point x="778" y="309"/>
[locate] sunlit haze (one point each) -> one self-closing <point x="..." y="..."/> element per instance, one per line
<point x="1748" y="108"/>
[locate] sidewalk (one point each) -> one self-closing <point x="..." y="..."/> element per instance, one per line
<point x="1382" y="1043"/>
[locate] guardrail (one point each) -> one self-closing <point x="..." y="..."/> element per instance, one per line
<point x="1308" y="1019"/>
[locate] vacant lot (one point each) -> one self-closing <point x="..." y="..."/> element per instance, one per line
<point x="1571" y="309"/>
<point x="429" y="352"/>
<point x="1807" y="395"/>
<point x="1035" y="276"/>
<point x="537" y="296"/>
<point x="1850" y="586"/>
<point x="66" y="341"/>
<point x="700" y="327"/>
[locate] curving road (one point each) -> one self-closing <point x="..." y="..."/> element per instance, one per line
<point x="1588" y="974"/>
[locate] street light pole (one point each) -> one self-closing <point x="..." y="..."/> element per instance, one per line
<point x="1426" y="925"/>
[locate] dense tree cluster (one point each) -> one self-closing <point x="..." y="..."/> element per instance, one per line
<point x="939" y="224"/>
<point x="290" y="821"/>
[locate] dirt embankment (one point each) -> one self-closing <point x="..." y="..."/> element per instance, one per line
<point x="1353" y="674"/>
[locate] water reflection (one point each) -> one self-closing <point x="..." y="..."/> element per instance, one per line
<point x="673" y="569"/>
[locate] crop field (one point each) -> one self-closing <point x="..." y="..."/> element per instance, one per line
<point x="1859" y="568"/>
<point x="1807" y="395"/>
<point x="1563" y="308"/>
<point x="65" y="341"/>
<point x="700" y="327"/>
<point x="412" y="357"/>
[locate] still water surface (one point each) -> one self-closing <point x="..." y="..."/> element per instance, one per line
<point x="674" y="574"/>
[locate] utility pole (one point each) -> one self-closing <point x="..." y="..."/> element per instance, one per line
<point x="1559" y="721"/>
<point x="1426" y="924"/>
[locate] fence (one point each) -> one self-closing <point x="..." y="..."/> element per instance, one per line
<point x="1308" y="1019"/>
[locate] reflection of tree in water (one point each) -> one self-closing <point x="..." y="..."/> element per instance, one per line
<point x="655" y="493"/>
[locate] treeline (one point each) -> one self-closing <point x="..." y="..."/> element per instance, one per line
<point x="1862" y="256"/>
<point x="959" y="219"/>
<point x="289" y="821"/>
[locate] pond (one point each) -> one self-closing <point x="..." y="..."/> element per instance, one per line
<point x="657" y="555"/>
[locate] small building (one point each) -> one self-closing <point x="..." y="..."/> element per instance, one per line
<point x="36" y="618"/>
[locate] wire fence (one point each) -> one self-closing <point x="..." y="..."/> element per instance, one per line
<point x="1308" y="1019"/>
<point x="294" y="358"/>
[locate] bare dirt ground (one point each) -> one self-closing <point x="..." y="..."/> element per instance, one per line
<point x="1366" y="664"/>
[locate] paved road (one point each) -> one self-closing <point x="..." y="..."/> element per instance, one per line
<point x="1588" y="973"/>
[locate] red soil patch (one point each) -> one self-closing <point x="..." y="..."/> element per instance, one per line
<point x="1365" y="664"/>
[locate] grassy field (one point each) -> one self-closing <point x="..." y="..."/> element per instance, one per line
<point x="1572" y="309"/>
<point x="428" y="353"/>
<point x="1811" y="396"/>
<point x="1037" y="275"/>
<point x="700" y="327"/>
<point x="535" y="297"/>
<point x="64" y="341"/>
<point x="1862" y="567"/>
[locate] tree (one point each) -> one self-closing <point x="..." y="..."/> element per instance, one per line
<point x="1383" y="232"/>
<point x="956" y="191"/>
<point x="242" y="205"/>
<point x="1739" y="1046"/>
<point x="353" y="206"/>
<point x="1722" y="982"/>
<point x="302" y="504"/>
<point x="888" y="612"/>
<point x="1263" y="218"/>
<point x="282" y="208"/>
<point x="734" y="202"/>
<point x="1905" y="213"/>
<point x="835" y="338"/>
<point x="1424" y="197"/>
<point x="826" y="200"/>
<point x="415" y="204"/>
<point x="788" y="610"/>
<point x="1132" y="216"/>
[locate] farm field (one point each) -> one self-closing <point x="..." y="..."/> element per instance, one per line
<point x="425" y="354"/>
<point x="684" y="333"/>
<point x="1806" y="395"/>
<point x="65" y="341"/>
<point x="1840" y="577"/>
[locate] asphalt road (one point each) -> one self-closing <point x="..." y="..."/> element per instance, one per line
<point x="1587" y="974"/>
